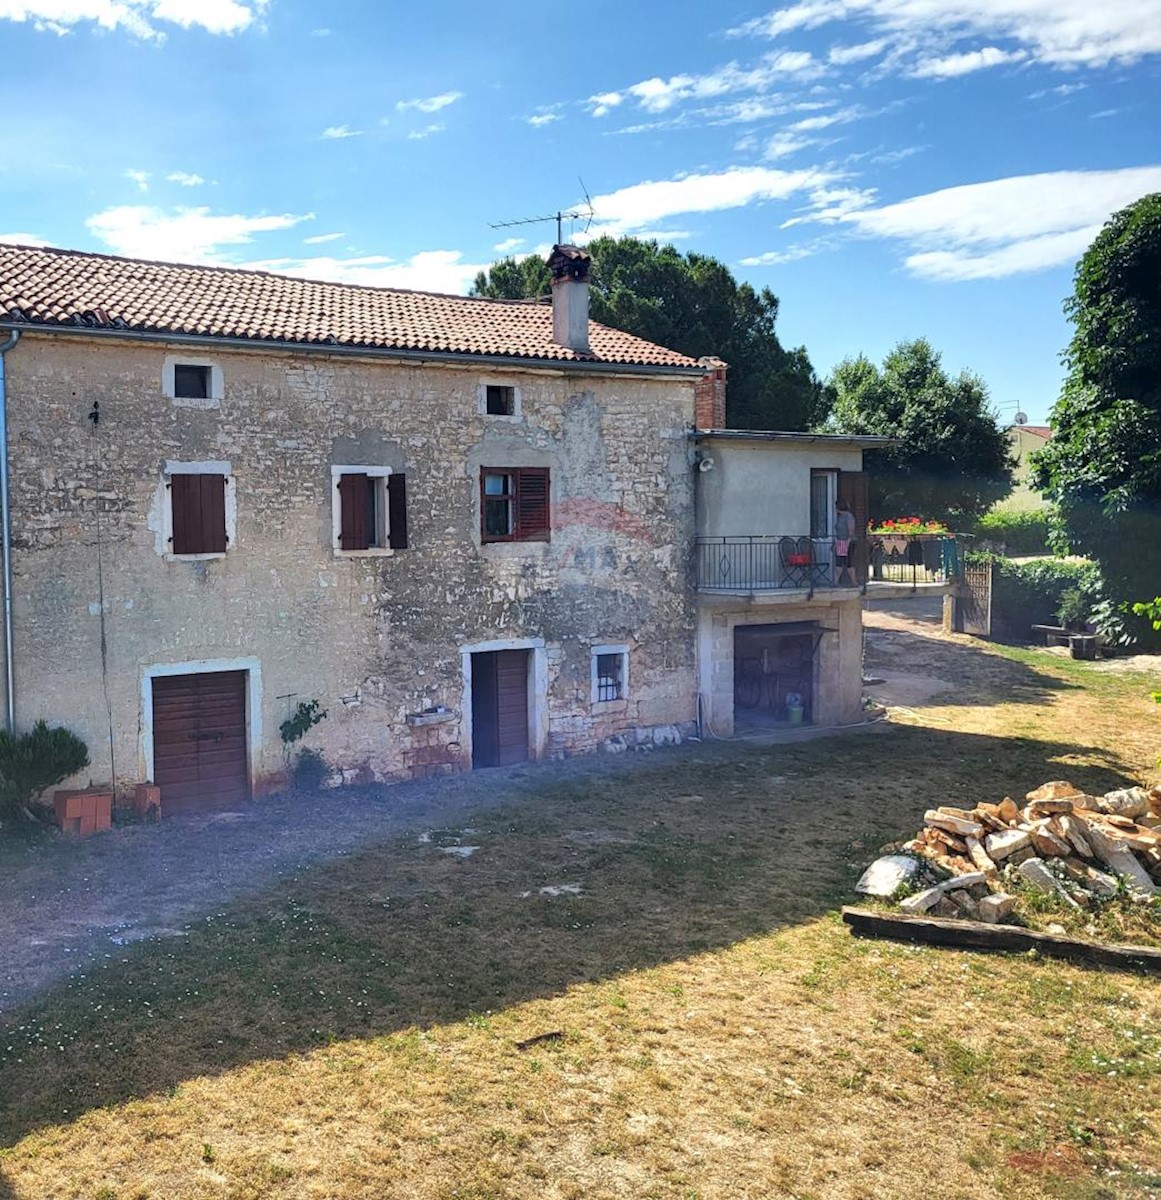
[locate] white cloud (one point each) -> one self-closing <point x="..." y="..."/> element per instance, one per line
<point x="183" y="235"/>
<point x="643" y="205"/>
<point x="185" y="178"/>
<point x="783" y="145"/>
<point x="140" y="178"/>
<point x="142" y="18"/>
<point x="1059" y="32"/>
<point x="775" y="258"/>
<point x="508" y="245"/>
<point x="1002" y="227"/>
<point x="430" y="104"/>
<point x="417" y="135"/>
<point x="337" y="133"/>
<point x="656" y="95"/>
<point x="23" y="239"/>
<point x="319" y="238"/>
<point x="842" y="56"/>
<point x="427" y="271"/>
<point x="538" y="120"/>
<point x="949" y="66"/>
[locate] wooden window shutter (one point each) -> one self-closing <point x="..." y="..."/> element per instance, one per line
<point x="353" y="512"/>
<point x="185" y="506"/>
<point x="397" y="512"/>
<point x="532" y="504"/>
<point x="213" y="514"/>
<point x="854" y="490"/>
<point x="198" y="509"/>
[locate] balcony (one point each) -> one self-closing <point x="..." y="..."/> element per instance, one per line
<point x="776" y="564"/>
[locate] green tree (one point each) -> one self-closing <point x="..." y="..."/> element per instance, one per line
<point x="1102" y="467"/>
<point x="951" y="461"/>
<point x="691" y="303"/>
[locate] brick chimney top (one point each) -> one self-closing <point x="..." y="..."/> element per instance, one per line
<point x="710" y="394"/>
<point x="569" y="262"/>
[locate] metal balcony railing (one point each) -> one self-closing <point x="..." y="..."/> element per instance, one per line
<point x="775" y="562"/>
<point x="769" y="562"/>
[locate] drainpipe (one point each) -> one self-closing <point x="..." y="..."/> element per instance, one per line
<point x="6" y="522"/>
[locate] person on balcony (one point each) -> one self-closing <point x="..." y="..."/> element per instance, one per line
<point x="844" y="543"/>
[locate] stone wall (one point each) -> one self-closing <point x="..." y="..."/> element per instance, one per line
<point x="375" y="638"/>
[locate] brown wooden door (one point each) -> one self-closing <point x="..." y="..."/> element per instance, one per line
<point x="199" y="740"/>
<point x="853" y="489"/>
<point x="499" y="708"/>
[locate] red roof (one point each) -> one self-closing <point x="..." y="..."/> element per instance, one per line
<point x="1044" y="431"/>
<point x="46" y="287"/>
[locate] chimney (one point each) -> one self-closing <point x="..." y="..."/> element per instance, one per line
<point x="709" y="394"/>
<point x="570" y="297"/>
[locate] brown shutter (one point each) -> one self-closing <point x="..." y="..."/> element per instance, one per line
<point x="213" y="514"/>
<point x="185" y="507"/>
<point x="353" y="512"/>
<point x="853" y="490"/>
<point x="397" y="512"/>
<point x="532" y="504"/>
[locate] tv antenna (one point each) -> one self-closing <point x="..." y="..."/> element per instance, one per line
<point x="560" y="216"/>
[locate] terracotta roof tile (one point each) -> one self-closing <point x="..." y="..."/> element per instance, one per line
<point x="70" y="287"/>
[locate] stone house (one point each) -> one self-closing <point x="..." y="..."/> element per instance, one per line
<point x="473" y="531"/>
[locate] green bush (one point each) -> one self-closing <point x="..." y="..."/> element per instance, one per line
<point x="1027" y="594"/>
<point x="32" y="762"/>
<point x="1020" y="533"/>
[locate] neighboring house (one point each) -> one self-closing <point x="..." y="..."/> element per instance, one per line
<point x="779" y="610"/>
<point x="473" y="531"/>
<point x="1023" y="440"/>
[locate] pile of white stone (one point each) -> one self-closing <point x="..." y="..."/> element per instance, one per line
<point x="1081" y="849"/>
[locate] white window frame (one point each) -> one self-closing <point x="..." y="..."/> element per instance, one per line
<point x="620" y="648"/>
<point x="169" y="386"/>
<point x="380" y="475"/>
<point x="482" y="399"/>
<point x="165" y="536"/>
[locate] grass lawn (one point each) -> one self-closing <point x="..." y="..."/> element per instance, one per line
<point x="355" y="1032"/>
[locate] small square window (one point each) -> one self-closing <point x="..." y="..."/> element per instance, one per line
<point x="500" y="401"/>
<point x="610" y="677"/>
<point x="371" y="513"/>
<point x="191" y="382"/>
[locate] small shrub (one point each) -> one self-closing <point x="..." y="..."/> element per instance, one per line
<point x="1020" y="533"/>
<point x="309" y="770"/>
<point x="304" y="718"/>
<point x="1073" y="610"/>
<point x="32" y="762"/>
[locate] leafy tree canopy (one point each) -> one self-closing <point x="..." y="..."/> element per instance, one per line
<point x="690" y="303"/>
<point x="1102" y="467"/>
<point x="952" y="460"/>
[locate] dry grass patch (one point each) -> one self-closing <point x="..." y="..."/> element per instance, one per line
<point x="354" y="1032"/>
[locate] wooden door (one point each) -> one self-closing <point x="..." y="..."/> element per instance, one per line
<point x="499" y="708"/>
<point x="853" y="489"/>
<point x="199" y="740"/>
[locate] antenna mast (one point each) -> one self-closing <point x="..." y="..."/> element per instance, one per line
<point x="560" y="216"/>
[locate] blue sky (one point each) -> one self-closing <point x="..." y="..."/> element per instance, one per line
<point x="890" y="168"/>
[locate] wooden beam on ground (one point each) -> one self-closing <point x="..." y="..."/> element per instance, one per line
<point x="974" y="935"/>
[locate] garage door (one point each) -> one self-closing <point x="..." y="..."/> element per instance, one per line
<point x="199" y="740"/>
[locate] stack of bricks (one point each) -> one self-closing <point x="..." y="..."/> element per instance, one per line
<point x="83" y="812"/>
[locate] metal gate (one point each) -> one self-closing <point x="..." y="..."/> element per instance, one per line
<point x="975" y="600"/>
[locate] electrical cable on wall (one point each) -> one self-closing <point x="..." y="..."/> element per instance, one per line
<point x="95" y="418"/>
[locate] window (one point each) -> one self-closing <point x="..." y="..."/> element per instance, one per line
<point x="198" y="513"/>
<point x="497" y="398"/>
<point x="191" y="382"/>
<point x="823" y="493"/>
<point x="610" y="685"/>
<point x="370" y="512"/>
<point x="514" y="504"/>
<point x="499" y="401"/>
<point x="610" y="673"/>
